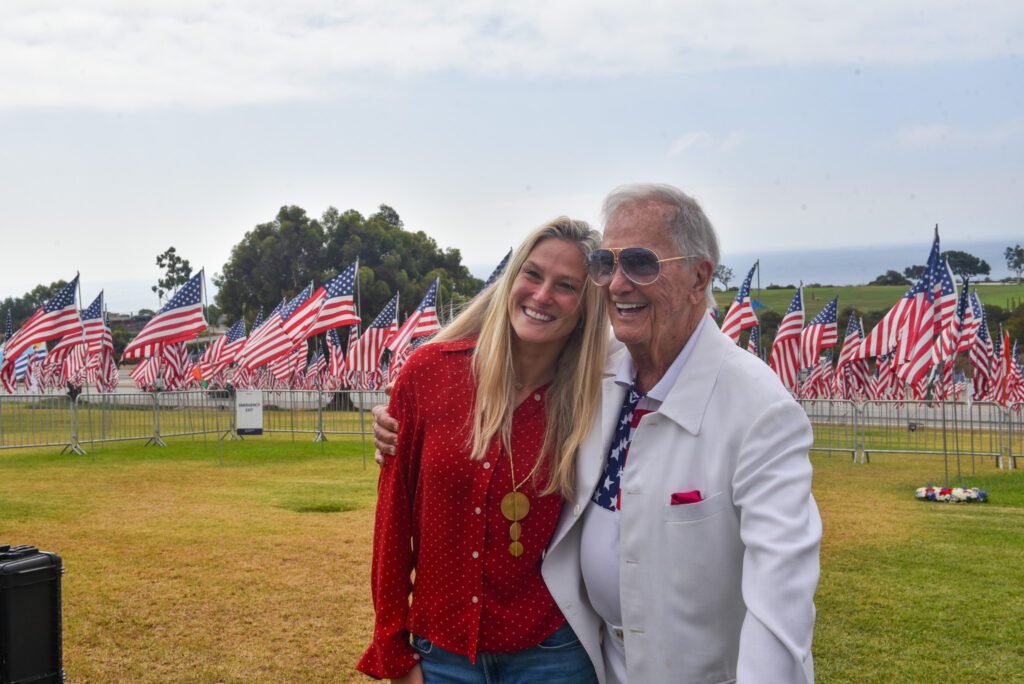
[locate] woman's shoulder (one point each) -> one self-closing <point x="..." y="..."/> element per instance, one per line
<point x="434" y="355"/>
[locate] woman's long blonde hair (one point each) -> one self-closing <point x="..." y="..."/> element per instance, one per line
<point x="573" y="396"/>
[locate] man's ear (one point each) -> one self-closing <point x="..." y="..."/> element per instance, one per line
<point x="702" y="271"/>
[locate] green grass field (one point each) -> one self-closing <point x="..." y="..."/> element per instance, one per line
<point x="213" y="561"/>
<point x="862" y="298"/>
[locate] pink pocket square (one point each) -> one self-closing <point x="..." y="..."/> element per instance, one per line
<point x="686" y="497"/>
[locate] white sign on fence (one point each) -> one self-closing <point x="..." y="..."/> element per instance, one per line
<point x="249" y="412"/>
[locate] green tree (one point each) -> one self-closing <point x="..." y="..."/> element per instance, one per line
<point x="1015" y="260"/>
<point x="177" y="271"/>
<point x="279" y="258"/>
<point x="913" y="273"/>
<point x="722" y="274"/>
<point x="889" y="278"/>
<point x="966" y="265"/>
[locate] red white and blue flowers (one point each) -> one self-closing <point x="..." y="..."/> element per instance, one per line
<point x="952" y="494"/>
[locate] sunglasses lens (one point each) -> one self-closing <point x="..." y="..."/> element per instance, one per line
<point x="600" y="265"/>
<point x="640" y="265"/>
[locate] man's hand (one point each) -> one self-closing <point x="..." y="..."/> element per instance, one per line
<point x="385" y="431"/>
<point x="413" y="676"/>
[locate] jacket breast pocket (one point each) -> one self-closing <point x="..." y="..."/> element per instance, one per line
<point x="694" y="512"/>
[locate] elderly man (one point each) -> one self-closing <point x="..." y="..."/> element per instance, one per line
<point x="691" y="551"/>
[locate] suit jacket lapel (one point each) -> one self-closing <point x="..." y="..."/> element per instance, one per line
<point x="688" y="399"/>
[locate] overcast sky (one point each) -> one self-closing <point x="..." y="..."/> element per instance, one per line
<point x="128" y="127"/>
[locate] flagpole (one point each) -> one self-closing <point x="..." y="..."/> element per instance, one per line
<point x="359" y="301"/>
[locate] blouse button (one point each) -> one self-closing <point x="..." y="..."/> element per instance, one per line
<point x="536" y="397"/>
<point x="476" y="554"/>
<point x="475" y="600"/>
<point x="487" y="465"/>
<point x="477" y="510"/>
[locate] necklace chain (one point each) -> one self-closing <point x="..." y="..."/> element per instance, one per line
<point x="512" y="470"/>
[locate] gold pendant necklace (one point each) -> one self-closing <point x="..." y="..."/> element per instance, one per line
<point x="515" y="505"/>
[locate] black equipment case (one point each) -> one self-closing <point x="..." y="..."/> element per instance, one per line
<point x="30" y="626"/>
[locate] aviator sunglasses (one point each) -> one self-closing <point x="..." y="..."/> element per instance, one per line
<point x="641" y="265"/>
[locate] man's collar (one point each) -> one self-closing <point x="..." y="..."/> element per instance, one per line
<point x="626" y="373"/>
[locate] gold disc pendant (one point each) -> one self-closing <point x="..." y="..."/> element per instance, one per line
<point x="515" y="531"/>
<point x="516" y="549"/>
<point x="515" y="506"/>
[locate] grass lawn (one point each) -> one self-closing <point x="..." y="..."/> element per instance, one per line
<point x="249" y="561"/>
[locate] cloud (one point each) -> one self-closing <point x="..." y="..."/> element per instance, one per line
<point x="932" y="136"/>
<point x="119" y="54"/>
<point x="706" y="141"/>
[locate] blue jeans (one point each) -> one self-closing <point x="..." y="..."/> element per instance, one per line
<point x="559" y="659"/>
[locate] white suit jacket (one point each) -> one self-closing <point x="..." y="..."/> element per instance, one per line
<point x="716" y="591"/>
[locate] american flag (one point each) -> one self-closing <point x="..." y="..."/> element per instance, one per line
<point x="221" y="353"/>
<point x="754" y="342"/>
<point x="785" y="356"/>
<point x="315" y="370"/>
<point x="1015" y="383"/>
<point x="981" y="355"/>
<point x="945" y="293"/>
<point x="337" y="366"/>
<point x="92" y="333"/>
<point x="1006" y="364"/>
<point x="882" y="338"/>
<point x="741" y="314"/>
<point x="371" y="344"/>
<point x="821" y="333"/>
<point x="56" y="318"/>
<point x="819" y="383"/>
<point x="851" y="342"/>
<point x="853" y="380"/>
<point x="886" y="335"/>
<point x="339" y="306"/>
<point x="883" y="378"/>
<point x="271" y="341"/>
<point x="352" y="376"/>
<point x="493" y="278"/>
<point x="300" y="321"/>
<point x="109" y="377"/>
<point x="176" y="367"/>
<point x="972" y="322"/>
<point x="145" y="374"/>
<point x="74" y="364"/>
<point x="947" y="344"/>
<point x="289" y="369"/>
<point x="179" y="320"/>
<point x="423" y="321"/>
<point x="917" y="332"/>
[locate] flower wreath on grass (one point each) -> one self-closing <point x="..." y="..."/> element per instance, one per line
<point x="952" y="494"/>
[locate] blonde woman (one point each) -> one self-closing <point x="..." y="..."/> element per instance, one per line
<point x="491" y="413"/>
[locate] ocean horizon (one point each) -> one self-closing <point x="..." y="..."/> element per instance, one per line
<point x="852" y="265"/>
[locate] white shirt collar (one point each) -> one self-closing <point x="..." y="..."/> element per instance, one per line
<point x="627" y="370"/>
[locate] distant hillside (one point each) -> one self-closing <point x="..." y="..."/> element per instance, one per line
<point x="864" y="298"/>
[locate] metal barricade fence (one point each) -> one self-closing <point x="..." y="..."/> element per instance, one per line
<point x="979" y="429"/>
<point x="195" y="412"/>
<point x="921" y="427"/>
<point x="115" y="418"/>
<point x="346" y="412"/>
<point x="1015" y="433"/>
<point x="35" y="420"/>
<point x="295" y="411"/>
<point x="834" y="422"/>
